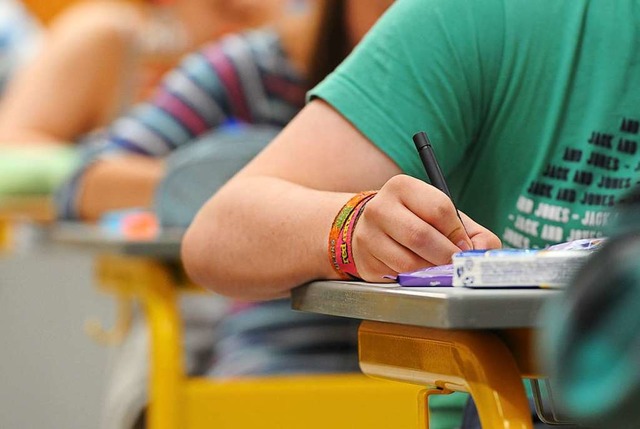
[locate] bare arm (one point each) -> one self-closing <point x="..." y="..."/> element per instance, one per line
<point x="123" y="182"/>
<point x="267" y="230"/>
<point x="75" y="82"/>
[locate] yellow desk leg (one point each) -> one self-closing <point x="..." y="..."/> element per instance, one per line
<point x="477" y="362"/>
<point x="152" y="283"/>
<point x="167" y="370"/>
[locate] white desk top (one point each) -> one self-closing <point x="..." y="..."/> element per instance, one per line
<point x="434" y="307"/>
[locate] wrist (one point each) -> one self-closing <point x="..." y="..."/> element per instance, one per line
<point x="340" y="249"/>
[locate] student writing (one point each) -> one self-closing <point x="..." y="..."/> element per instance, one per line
<point x="505" y="89"/>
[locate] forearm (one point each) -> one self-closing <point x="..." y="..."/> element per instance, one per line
<point x="279" y="232"/>
<point x="118" y="183"/>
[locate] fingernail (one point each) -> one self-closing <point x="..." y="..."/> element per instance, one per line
<point x="463" y="245"/>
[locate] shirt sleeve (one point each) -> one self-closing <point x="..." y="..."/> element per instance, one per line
<point x="427" y="65"/>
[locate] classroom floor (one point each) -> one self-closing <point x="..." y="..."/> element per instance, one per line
<point x="51" y="374"/>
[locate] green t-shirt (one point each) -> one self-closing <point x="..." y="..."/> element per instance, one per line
<point x="533" y="107"/>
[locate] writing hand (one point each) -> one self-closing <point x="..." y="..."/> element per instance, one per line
<point x="410" y="225"/>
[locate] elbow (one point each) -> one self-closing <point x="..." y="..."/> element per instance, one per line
<point x="197" y="258"/>
<point x="223" y="250"/>
<point x="212" y="265"/>
<point x="202" y="260"/>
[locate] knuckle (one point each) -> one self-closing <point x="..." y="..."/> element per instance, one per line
<point x="456" y="232"/>
<point x="396" y="184"/>
<point x="443" y="209"/>
<point x="403" y="264"/>
<point x="395" y="181"/>
<point x="417" y="237"/>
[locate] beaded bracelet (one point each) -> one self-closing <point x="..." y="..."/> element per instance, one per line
<point x="341" y="234"/>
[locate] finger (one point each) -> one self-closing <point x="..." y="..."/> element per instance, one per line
<point x="442" y="216"/>
<point x="399" y="238"/>
<point x="376" y="271"/>
<point x="368" y="266"/>
<point x="481" y="237"/>
<point x="386" y="258"/>
<point x="414" y="234"/>
<point x="434" y="207"/>
<point x="398" y="258"/>
<point x="486" y="240"/>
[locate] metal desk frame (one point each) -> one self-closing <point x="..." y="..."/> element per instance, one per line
<point x="451" y="339"/>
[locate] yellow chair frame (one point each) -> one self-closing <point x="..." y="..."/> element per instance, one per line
<point x="179" y="402"/>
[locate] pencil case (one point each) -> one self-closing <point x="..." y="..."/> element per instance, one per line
<point x="553" y="267"/>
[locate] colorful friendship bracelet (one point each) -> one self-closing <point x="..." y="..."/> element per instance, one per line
<point x="341" y="233"/>
<point x="345" y="259"/>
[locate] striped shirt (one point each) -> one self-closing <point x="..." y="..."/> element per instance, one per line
<point x="243" y="78"/>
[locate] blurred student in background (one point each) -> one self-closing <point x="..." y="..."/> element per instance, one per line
<point x="256" y="78"/>
<point x="93" y="61"/>
<point x="97" y="57"/>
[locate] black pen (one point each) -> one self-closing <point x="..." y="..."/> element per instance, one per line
<point x="428" y="158"/>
